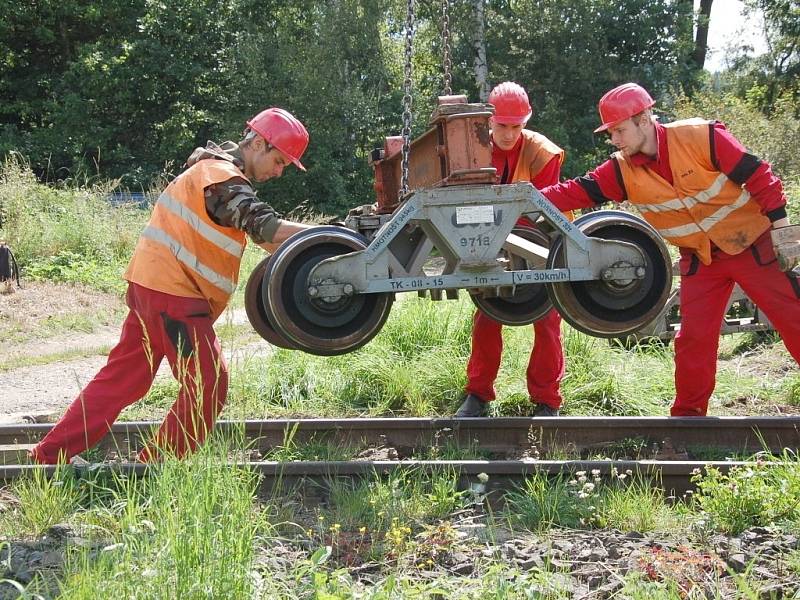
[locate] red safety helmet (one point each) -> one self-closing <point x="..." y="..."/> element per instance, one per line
<point x="621" y="103"/>
<point x="511" y="105"/>
<point x="283" y="131"/>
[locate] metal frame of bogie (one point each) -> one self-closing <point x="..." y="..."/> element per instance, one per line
<point x="471" y="228"/>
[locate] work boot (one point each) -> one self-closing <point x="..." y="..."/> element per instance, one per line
<point x="472" y="407"/>
<point x="542" y="410"/>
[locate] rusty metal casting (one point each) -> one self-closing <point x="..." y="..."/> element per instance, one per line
<point x="456" y="150"/>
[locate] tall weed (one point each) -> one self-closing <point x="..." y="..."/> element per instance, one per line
<point x="187" y="532"/>
<point x="748" y="497"/>
<point x="44" y="501"/>
<point x="65" y="234"/>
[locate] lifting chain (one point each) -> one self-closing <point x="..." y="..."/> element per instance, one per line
<point x="407" y="99"/>
<point x="446" y="62"/>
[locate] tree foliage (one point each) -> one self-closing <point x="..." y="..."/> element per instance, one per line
<point x="126" y="88"/>
<point x="772" y="80"/>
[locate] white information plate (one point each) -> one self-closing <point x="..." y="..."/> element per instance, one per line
<point x="474" y="214"/>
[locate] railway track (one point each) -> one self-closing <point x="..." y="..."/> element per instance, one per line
<point x="507" y="450"/>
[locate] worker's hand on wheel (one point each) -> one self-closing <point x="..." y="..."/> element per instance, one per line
<point x="786" y="241"/>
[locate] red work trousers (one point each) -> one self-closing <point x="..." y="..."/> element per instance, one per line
<point x="158" y="325"/>
<point x="705" y="291"/>
<point x="545" y="368"/>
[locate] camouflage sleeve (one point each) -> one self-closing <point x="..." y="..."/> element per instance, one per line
<point x="233" y="203"/>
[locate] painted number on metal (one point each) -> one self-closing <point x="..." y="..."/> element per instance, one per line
<point x="466" y="215"/>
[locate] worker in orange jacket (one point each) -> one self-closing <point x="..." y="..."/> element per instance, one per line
<point x="518" y="154"/>
<point x="181" y="276"/>
<point x="721" y="206"/>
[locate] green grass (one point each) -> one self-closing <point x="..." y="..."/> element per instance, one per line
<point x="42" y="502"/>
<point x="18" y="362"/>
<point x="404" y="497"/>
<point x="622" y="501"/>
<point x="541" y="503"/>
<point x="416" y="366"/>
<point x="747" y="497"/>
<point x="194" y="529"/>
<point x="313" y="450"/>
<point x="69" y="235"/>
<point x="444" y="447"/>
<point x="185" y="531"/>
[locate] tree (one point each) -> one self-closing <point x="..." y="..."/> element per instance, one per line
<point x="479" y="44"/>
<point x="776" y="74"/>
<point x="701" y="37"/>
<point x="126" y="88"/>
<point x="567" y="53"/>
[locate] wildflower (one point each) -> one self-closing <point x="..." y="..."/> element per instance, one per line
<point x="588" y="487"/>
<point x="572" y="482"/>
<point x="362" y="530"/>
<point x="595" y="472"/>
<point x="582" y="479"/>
<point x="621" y="476"/>
<point x="483" y="477"/>
<point x="581" y="474"/>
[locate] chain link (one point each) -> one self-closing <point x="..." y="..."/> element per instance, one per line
<point x="446" y="61"/>
<point x="407" y="99"/>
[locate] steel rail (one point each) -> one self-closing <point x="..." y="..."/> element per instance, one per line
<point x="583" y="435"/>
<point x="314" y="477"/>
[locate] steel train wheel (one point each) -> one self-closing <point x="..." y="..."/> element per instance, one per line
<point x="257" y="312"/>
<point x="530" y="302"/>
<point x="609" y="309"/>
<point x="315" y="325"/>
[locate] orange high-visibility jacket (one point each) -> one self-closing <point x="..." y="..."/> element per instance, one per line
<point x="702" y="205"/>
<point x="536" y="152"/>
<point x="534" y="155"/>
<point x="182" y="251"/>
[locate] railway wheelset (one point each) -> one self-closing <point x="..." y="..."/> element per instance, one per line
<point x="328" y="290"/>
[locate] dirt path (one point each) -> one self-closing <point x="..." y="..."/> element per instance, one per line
<point x="41" y="392"/>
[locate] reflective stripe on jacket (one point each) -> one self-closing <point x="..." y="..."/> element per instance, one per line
<point x="702" y="206"/>
<point x="182" y="251"/>
<point x="536" y="152"/>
